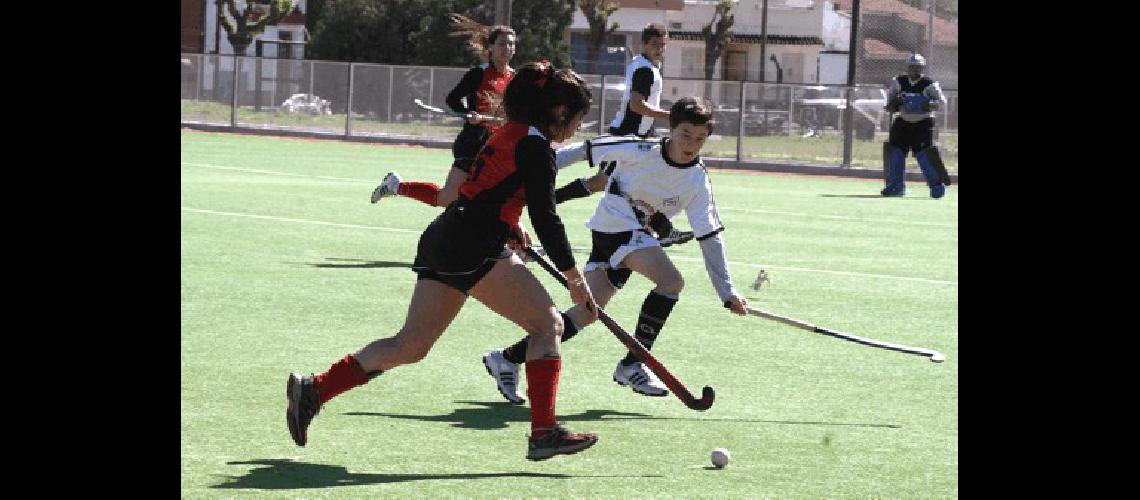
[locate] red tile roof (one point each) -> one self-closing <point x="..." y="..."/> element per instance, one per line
<point x="879" y="49"/>
<point x="944" y="31"/>
<point x="293" y="18"/>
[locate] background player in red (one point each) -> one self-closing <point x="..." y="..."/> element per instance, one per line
<point x="482" y="88"/>
<point x="464" y="252"/>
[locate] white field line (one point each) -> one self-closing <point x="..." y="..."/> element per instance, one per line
<point x="809" y="270"/>
<point x="677" y="257"/>
<point x="839" y="217"/>
<point x="300" y="221"/>
<point x="748" y="210"/>
<point x="270" y="172"/>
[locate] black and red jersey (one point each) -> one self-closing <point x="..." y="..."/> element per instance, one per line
<point x="516" y="168"/>
<point x="483" y="87"/>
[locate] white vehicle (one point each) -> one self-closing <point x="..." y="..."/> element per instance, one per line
<point x="308" y="104"/>
<point x="822" y="105"/>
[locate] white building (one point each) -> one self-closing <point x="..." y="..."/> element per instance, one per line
<point x="798" y="33"/>
<point x="291" y="28"/>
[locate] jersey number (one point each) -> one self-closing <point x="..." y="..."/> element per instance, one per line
<point x="479" y="162"/>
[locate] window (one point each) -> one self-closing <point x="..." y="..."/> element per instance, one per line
<point x="692" y="62"/>
<point x="285" y="50"/>
<point x="612" y="57"/>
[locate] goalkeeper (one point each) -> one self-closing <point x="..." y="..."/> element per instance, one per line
<point x="915" y="97"/>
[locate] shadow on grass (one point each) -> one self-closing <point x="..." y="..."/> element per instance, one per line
<point x="875" y="196"/>
<point x="487" y="416"/>
<point x="360" y="264"/>
<point x="286" y="474"/>
<point x="496" y="415"/>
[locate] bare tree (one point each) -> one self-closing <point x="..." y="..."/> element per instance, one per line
<point x="716" y="41"/>
<point x="242" y="26"/>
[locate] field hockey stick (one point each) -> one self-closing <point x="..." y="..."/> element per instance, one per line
<point x="434" y="109"/>
<point x="934" y="356"/>
<point x="638" y="350"/>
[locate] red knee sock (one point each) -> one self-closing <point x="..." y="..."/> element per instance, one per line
<point x="426" y="192"/>
<point x="542" y="388"/>
<point x="342" y="376"/>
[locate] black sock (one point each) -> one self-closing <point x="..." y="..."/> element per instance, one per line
<point x="374" y="374"/>
<point x="574" y="190"/>
<point x="517" y="353"/>
<point x="654" y="311"/>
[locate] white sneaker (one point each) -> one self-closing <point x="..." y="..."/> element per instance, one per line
<point x="390" y="186"/>
<point x="506" y="375"/>
<point x="642" y="379"/>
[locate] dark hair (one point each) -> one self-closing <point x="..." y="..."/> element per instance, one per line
<point x="538" y="88"/>
<point x="499" y="30"/>
<point x="691" y="110"/>
<point x="479" y="37"/>
<point x="653" y="30"/>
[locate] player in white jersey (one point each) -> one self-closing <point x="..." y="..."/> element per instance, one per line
<point x="640" y="106"/>
<point x="646" y="176"/>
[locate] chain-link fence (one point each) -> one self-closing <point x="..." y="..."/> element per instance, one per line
<point x="889" y="31"/>
<point x="755" y="122"/>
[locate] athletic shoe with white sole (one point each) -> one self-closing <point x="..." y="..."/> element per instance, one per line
<point x="390" y="186"/>
<point x="506" y="376"/>
<point x="559" y="441"/>
<point x="640" y="378"/>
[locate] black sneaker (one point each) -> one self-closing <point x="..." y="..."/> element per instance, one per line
<point x="676" y="238"/>
<point x="559" y="441"/>
<point x="303" y="406"/>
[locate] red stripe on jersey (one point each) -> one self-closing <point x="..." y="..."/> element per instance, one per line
<point x="494" y="177"/>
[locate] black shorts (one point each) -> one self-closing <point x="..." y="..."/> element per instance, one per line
<point x="467" y="146"/>
<point x="913" y="137"/>
<point x="458" y="249"/>
<point x="604" y="246"/>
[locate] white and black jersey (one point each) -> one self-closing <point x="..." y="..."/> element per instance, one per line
<point x="644" y="77"/>
<point x="643" y="180"/>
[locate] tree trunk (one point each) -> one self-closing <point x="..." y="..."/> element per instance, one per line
<point x="595" y="53"/>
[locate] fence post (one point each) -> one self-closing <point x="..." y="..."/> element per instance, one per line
<point x="602" y="109"/>
<point x="391" y="73"/>
<point x="348" y="111"/>
<point x="198" y="84"/>
<point x="791" y="108"/>
<point x="234" y="100"/>
<point x="740" y="129"/>
<point x="431" y="90"/>
<point x="854" y="51"/>
<point x="848" y="118"/>
<point x="257" y="77"/>
<point x="311" y="69"/>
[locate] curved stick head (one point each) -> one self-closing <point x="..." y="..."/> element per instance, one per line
<point x="938" y="357"/>
<point x="706" y="401"/>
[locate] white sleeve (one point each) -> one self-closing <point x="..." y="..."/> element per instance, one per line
<point x="570" y="154"/>
<point x="703" y="216"/>
<point x="612" y="149"/>
<point x="716" y="263"/>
